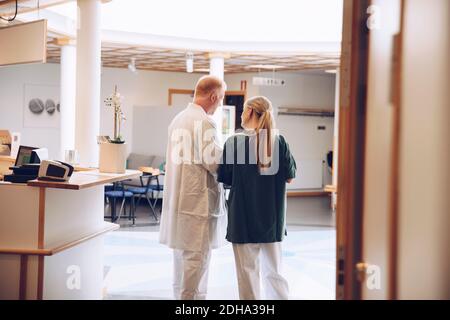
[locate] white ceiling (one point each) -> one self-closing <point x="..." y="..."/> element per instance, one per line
<point x="292" y="34"/>
<point x="224" y="20"/>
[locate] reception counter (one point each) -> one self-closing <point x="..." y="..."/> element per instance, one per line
<point x="51" y="237"/>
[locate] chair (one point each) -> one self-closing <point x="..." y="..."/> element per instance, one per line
<point x="119" y="192"/>
<point x="158" y="188"/>
<point x="143" y="191"/>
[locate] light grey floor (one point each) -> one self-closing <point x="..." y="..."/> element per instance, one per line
<point x="138" y="267"/>
<point x="312" y="212"/>
<point x="303" y="213"/>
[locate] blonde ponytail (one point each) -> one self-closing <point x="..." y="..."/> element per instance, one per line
<point x="263" y="108"/>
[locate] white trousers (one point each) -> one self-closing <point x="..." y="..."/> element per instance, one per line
<point x="248" y="258"/>
<point x="190" y="278"/>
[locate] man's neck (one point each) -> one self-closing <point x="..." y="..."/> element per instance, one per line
<point x="201" y="104"/>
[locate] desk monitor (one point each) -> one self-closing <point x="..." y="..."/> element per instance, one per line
<point x="24" y="156"/>
<point x="37" y="155"/>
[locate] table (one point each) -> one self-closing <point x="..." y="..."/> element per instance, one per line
<point x="332" y="189"/>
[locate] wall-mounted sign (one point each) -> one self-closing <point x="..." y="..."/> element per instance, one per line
<point x="261" y="81"/>
<point x="24" y="43"/>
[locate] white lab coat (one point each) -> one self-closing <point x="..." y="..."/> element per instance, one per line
<point x="194" y="213"/>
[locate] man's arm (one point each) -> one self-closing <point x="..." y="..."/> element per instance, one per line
<point x="211" y="149"/>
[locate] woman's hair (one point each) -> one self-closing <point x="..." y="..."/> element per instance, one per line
<point x="262" y="108"/>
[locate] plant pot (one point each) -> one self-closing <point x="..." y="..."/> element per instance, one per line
<point x="113" y="157"/>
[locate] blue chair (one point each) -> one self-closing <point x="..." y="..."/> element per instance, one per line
<point x="119" y="192"/>
<point x="143" y="192"/>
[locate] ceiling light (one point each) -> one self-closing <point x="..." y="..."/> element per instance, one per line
<point x="265" y="66"/>
<point x="189" y="62"/>
<point x="132" y="65"/>
<point x="206" y="70"/>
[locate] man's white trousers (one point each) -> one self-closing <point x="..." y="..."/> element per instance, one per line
<point x="191" y="274"/>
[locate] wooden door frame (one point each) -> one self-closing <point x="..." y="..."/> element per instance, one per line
<point x="352" y="128"/>
<point x="396" y="89"/>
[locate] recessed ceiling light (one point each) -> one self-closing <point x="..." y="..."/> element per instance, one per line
<point x="189" y="62"/>
<point x="202" y="70"/>
<point x="206" y="70"/>
<point x="132" y="65"/>
<point x="265" y="66"/>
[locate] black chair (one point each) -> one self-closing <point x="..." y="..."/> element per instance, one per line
<point x="118" y="192"/>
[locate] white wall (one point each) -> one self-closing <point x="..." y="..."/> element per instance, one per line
<point x="302" y="89"/>
<point x="309" y="146"/>
<point x="12" y="81"/>
<point x="145" y="89"/>
<point x="150" y="128"/>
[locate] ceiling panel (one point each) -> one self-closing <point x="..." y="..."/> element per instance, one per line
<point x="162" y="59"/>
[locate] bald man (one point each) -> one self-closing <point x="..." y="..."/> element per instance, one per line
<point x="193" y="219"/>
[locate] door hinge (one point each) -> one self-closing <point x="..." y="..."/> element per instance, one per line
<point x="340" y="273"/>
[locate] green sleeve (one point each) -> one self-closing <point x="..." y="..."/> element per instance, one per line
<point x="289" y="165"/>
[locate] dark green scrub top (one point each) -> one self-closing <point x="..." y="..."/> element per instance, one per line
<point x="257" y="200"/>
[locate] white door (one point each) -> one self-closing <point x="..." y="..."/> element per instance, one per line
<point x="384" y="18"/>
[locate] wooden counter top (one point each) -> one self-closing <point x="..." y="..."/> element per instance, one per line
<point x="86" y="179"/>
<point x="305" y="193"/>
<point x="108" y="227"/>
<point x="150" y="170"/>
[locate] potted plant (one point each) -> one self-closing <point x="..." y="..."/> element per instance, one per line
<point x="113" y="152"/>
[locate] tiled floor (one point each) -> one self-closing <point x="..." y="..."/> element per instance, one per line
<point x="138" y="267"/>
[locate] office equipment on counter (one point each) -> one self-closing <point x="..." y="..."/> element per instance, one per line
<point x="5" y="143"/>
<point x="24" y="156"/>
<point x="5" y="163"/>
<point x="50" y="170"/>
<point x="27" y="164"/>
<point x="9" y="143"/>
<point x="38" y="155"/>
<point x="5" y="150"/>
<point x="15" y="143"/>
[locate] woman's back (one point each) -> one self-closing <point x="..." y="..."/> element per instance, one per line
<point x="257" y="200"/>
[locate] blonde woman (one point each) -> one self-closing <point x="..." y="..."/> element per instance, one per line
<point x="257" y="164"/>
